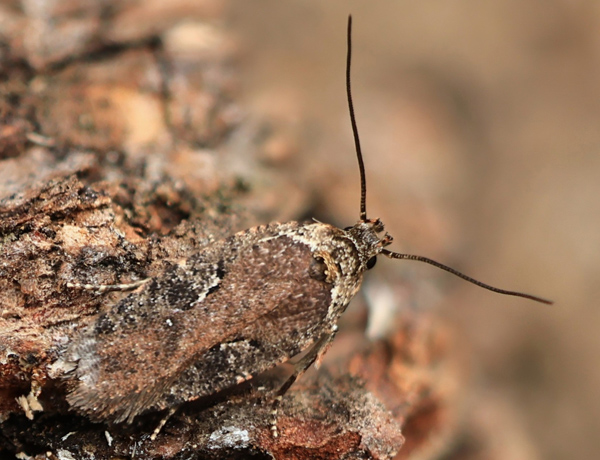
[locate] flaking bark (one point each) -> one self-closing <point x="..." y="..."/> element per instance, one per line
<point x="111" y="170"/>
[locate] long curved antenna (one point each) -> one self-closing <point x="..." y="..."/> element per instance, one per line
<point x="361" y="164"/>
<point x="395" y="255"/>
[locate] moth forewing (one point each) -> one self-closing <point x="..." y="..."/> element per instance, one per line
<point x="241" y="306"/>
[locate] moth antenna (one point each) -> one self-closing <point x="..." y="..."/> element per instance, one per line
<point x="395" y="255"/>
<point x="361" y="164"/>
<point x="363" y="197"/>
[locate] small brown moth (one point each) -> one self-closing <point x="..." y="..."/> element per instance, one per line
<point x="239" y="307"/>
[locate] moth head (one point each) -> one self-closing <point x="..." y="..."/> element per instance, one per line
<point x="369" y="241"/>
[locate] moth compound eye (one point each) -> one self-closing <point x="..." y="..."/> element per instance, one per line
<point x="371" y="262"/>
<point x="318" y="269"/>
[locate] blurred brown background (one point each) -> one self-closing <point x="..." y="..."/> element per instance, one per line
<point x="479" y="123"/>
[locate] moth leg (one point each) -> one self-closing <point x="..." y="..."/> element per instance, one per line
<point x="100" y="288"/>
<point x="162" y="422"/>
<point x="315" y="353"/>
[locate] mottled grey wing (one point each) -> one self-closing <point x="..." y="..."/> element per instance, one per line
<point x="131" y="357"/>
<point x="297" y="320"/>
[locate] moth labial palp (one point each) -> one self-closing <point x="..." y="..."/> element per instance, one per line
<point x="237" y="308"/>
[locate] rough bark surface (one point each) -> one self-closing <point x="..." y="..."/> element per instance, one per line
<point x="119" y="132"/>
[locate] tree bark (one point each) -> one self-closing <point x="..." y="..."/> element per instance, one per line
<point x="119" y="126"/>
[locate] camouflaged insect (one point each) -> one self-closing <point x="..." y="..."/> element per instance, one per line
<point x="237" y="308"/>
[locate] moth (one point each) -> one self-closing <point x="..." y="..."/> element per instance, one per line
<point x="237" y="308"/>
